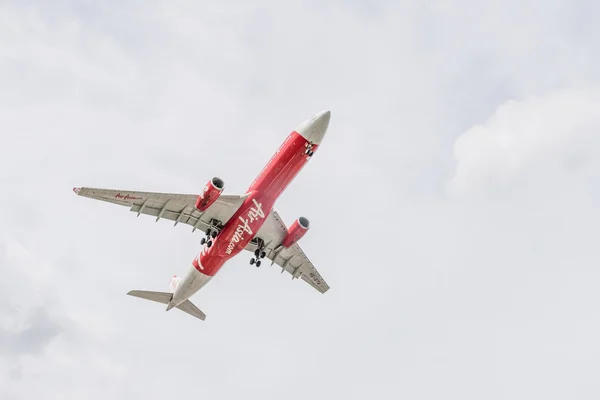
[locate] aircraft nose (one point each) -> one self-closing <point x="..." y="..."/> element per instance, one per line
<point x="314" y="129"/>
<point x="324" y="116"/>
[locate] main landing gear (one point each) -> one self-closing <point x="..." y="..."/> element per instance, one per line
<point x="259" y="253"/>
<point x="309" y="149"/>
<point x="210" y="235"/>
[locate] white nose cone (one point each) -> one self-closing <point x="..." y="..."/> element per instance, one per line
<point x="314" y="129"/>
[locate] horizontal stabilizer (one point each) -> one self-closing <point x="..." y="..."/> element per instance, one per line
<point x="189" y="307"/>
<point x="159" y="297"/>
<point x="165" y="298"/>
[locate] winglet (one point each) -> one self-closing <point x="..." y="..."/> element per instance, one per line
<point x="76" y="190"/>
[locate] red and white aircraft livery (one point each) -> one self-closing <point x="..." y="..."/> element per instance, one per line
<point x="234" y="223"/>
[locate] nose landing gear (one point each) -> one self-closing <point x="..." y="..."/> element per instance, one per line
<point x="309" y="149"/>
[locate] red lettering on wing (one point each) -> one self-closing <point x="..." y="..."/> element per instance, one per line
<point x="127" y="197"/>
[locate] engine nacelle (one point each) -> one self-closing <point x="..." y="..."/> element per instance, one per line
<point x="295" y="232"/>
<point x="210" y="193"/>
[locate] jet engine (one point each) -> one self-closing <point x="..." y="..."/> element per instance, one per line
<point x="210" y="193"/>
<point x="295" y="232"/>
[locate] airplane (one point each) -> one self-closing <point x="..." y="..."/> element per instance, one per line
<point x="232" y="223"/>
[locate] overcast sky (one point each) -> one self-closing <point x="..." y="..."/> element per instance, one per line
<point x="454" y="203"/>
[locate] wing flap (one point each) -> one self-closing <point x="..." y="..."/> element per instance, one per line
<point x="296" y="263"/>
<point x="172" y="206"/>
<point x="292" y="259"/>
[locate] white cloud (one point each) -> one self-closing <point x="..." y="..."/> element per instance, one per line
<point x="162" y="96"/>
<point x="540" y="140"/>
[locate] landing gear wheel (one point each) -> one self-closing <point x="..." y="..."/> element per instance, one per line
<point x="258" y="253"/>
<point x="209" y="243"/>
<point x="203" y="240"/>
<point x="309" y="149"/>
<point x="208" y="231"/>
<point x="213" y="234"/>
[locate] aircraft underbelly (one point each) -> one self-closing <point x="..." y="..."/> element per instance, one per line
<point x="236" y="234"/>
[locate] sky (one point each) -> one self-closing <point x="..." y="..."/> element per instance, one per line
<point x="454" y="202"/>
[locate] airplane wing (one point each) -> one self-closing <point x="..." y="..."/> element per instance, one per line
<point x="292" y="259"/>
<point x="173" y="206"/>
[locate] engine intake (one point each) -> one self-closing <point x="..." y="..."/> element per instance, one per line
<point x="295" y="232"/>
<point x="210" y="193"/>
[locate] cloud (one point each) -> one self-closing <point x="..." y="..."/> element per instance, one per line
<point x="538" y="141"/>
<point x="32" y="336"/>
<point x="28" y="309"/>
<point x="478" y="296"/>
<point x="40" y="334"/>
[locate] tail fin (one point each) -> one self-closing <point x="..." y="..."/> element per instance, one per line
<point x="165" y="298"/>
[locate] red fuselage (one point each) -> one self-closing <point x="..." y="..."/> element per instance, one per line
<point x="283" y="167"/>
